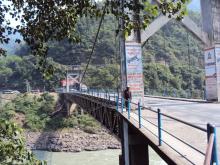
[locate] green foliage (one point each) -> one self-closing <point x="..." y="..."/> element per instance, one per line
<point x="77" y="53"/>
<point x="59" y="122"/>
<point x="82" y="121"/>
<point x="171" y="65"/>
<point x="37" y="110"/>
<point x="103" y="77"/>
<point x="171" y="7"/>
<point x="88" y="124"/>
<point x="14" y="71"/>
<point x="47" y="103"/>
<point x="12" y="146"/>
<point x="45" y="21"/>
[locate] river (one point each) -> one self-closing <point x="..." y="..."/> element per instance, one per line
<point x="103" y="157"/>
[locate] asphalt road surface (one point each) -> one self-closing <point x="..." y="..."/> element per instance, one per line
<point x="193" y="112"/>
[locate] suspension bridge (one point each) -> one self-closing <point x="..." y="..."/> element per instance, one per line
<point x="175" y="140"/>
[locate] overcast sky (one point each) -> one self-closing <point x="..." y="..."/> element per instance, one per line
<point x="194" y="5"/>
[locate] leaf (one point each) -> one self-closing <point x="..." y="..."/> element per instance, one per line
<point x="18" y="41"/>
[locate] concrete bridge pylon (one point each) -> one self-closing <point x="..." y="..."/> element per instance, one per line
<point x="209" y="34"/>
<point x="210" y="10"/>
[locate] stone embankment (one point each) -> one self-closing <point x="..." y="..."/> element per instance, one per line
<point x="71" y="140"/>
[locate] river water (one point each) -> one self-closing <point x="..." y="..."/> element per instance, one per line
<point x="103" y="157"/>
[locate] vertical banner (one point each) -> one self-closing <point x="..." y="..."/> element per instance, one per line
<point x="210" y="74"/>
<point x="134" y="70"/>
<point x="217" y="55"/>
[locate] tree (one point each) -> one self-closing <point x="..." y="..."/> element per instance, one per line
<point x="166" y="45"/>
<point x="12" y="146"/>
<point x="103" y="77"/>
<point x="14" y="71"/>
<point x="55" y="20"/>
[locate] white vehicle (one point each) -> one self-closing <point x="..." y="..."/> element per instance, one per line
<point x="83" y="88"/>
<point x="10" y="91"/>
<point x="16" y="92"/>
<point x="73" y="90"/>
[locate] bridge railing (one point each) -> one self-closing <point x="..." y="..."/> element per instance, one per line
<point x="162" y="129"/>
<point x="159" y="121"/>
<point x="210" y="155"/>
<point x="170" y="92"/>
<point x="155" y="92"/>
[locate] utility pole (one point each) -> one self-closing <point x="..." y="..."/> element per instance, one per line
<point x="122" y="48"/>
<point x="131" y="55"/>
<point x="28" y="87"/>
<point x="136" y="19"/>
<point x="189" y="58"/>
<point x="131" y="76"/>
<point x="26" y="82"/>
<point x="67" y="82"/>
<point x="1" y="101"/>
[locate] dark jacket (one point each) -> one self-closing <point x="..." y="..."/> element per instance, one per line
<point x="127" y="95"/>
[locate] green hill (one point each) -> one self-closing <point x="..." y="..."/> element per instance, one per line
<point x="172" y="58"/>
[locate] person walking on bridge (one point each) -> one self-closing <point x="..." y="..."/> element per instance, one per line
<point x="127" y="96"/>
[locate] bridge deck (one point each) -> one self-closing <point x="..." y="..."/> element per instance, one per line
<point x="172" y="150"/>
<point x="185" y="152"/>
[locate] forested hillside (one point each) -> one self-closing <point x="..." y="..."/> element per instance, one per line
<point x="173" y="61"/>
<point x="172" y="58"/>
<point x="15" y="71"/>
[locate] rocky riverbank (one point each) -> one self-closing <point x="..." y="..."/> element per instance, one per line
<point x="71" y="140"/>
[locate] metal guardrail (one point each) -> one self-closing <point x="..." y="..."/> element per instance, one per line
<point x="208" y="155"/>
<point x="210" y="128"/>
<point x="159" y="125"/>
<point x="210" y="131"/>
<point x="166" y="92"/>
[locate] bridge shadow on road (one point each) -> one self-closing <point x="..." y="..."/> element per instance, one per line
<point x="171" y="104"/>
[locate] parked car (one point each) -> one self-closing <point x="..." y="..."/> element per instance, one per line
<point x="83" y="88"/>
<point x="16" y="92"/>
<point x="35" y="91"/>
<point x="7" y="91"/>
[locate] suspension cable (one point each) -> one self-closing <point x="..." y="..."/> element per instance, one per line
<point x="189" y="63"/>
<point x="93" y="47"/>
<point x="117" y="57"/>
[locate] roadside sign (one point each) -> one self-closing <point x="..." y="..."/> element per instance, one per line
<point x="212" y="73"/>
<point x="134" y="70"/>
